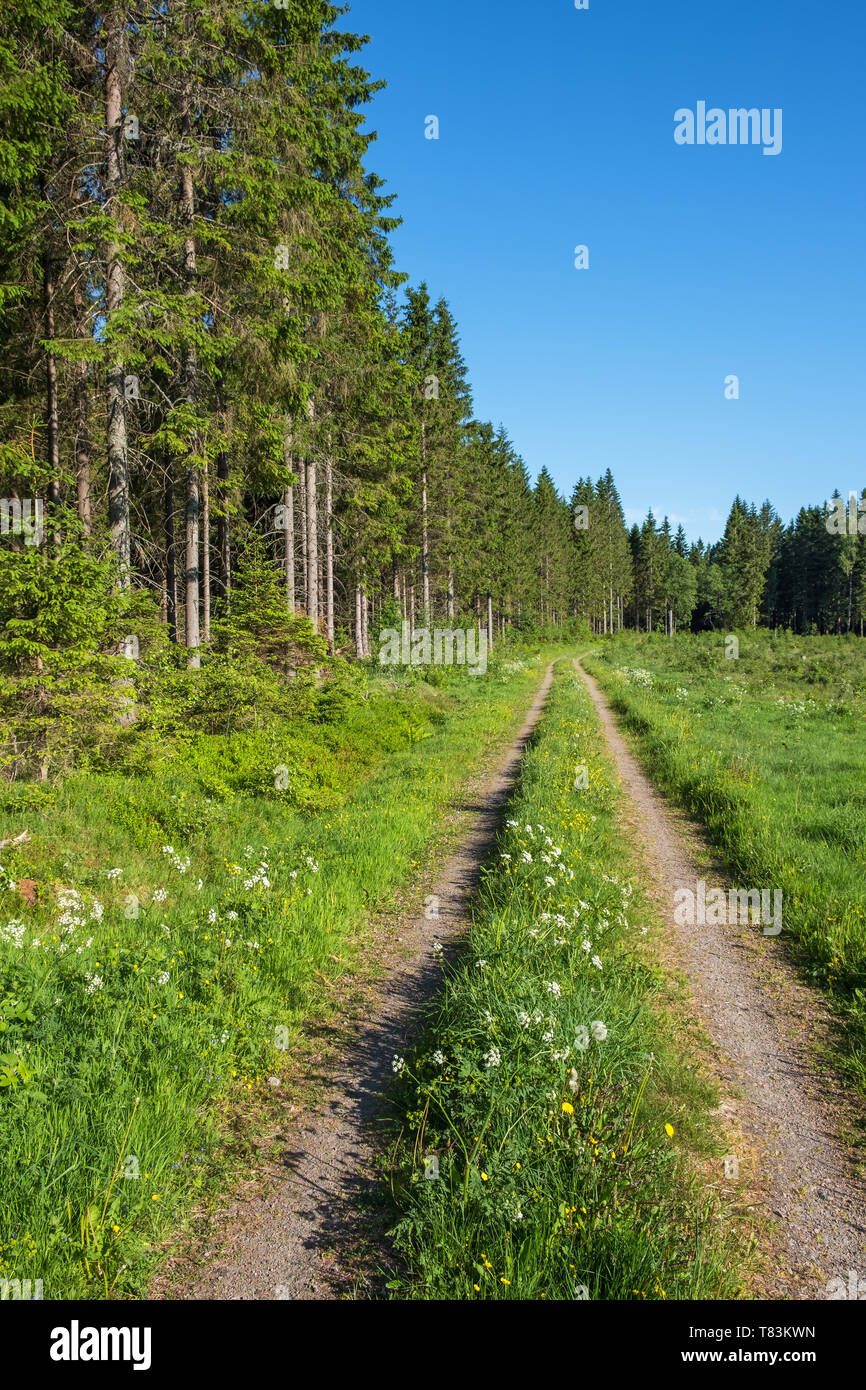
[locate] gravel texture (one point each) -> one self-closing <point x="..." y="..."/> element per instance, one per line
<point x="769" y="1030"/>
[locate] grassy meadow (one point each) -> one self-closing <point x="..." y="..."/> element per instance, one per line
<point x="553" y="1125"/>
<point x="166" y="933"/>
<point x="768" y="749"/>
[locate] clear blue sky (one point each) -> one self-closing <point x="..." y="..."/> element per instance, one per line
<point x="556" y="129"/>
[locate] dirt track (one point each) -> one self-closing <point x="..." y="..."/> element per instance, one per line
<point x="287" y="1245"/>
<point x="767" y="1027"/>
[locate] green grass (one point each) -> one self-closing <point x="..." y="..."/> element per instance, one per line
<point x="138" y="1010"/>
<point x="768" y="750"/>
<point x="567" y="1162"/>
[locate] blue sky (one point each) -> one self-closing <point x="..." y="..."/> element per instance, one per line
<point x="557" y="130"/>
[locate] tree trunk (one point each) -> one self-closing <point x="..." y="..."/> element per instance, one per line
<point x="312" y="546"/>
<point x="302" y="498"/>
<point x="223" y="530"/>
<point x="289" y="521"/>
<point x="329" y="549"/>
<point x="51" y="384"/>
<point x="365" y="636"/>
<point x="359" y="635"/>
<point x="189" y="388"/>
<point x="489" y="621"/>
<point x="82" y="415"/>
<point x="425" y="540"/>
<point x="170" y="559"/>
<point x="205" y="556"/>
<point x="115" y="290"/>
<point x="192" y="581"/>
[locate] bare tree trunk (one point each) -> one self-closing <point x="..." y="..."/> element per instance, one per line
<point x="115" y="289"/>
<point x="192" y="580"/>
<point x="224" y="530"/>
<point x="170" y="559"/>
<point x="329" y="549"/>
<point x="190" y="388"/>
<point x="365" y="636"/>
<point x="289" y="546"/>
<point x="359" y="637"/>
<point x="51" y="384"/>
<point x="302" y="489"/>
<point x="312" y="546"/>
<point x="289" y="520"/>
<point x="489" y="621"/>
<point x="82" y="432"/>
<point x="425" y="539"/>
<point x="450" y="596"/>
<point x="205" y="556"/>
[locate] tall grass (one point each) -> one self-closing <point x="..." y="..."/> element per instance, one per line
<point x="768" y="749"/>
<point x="550" y="1136"/>
<point x="184" y="928"/>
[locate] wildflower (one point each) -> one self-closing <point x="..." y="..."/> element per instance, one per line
<point x="599" y="1032"/>
<point x="113" y="873"/>
<point x="437" y="948"/>
<point x="512" y="824"/>
<point x="94" y="982"/>
<point x="669" y="1131"/>
<point x="505" y="856"/>
<point x="199" y="885"/>
<point x="551" y="882"/>
<point x="523" y="1019"/>
<point x="397" y="1064"/>
<point x="526" y="857"/>
<point x="596" y="962"/>
<point x="212" y="916"/>
<point x="481" y="965"/>
<point x="572" y="1081"/>
<point x="13" y="932"/>
<point x="548" y="1036"/>
<point x="160" y="895"/>
<point x="439" y="1058"/>
<point x="587" y="945"/>
<point x="492" y="1058"/>
<point x="567" y="1108"/>
<point x="162" y="978"/>
<point x="232" y="916"/>
<point x="553" y="988"/>
<point x="97" y="911"/>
